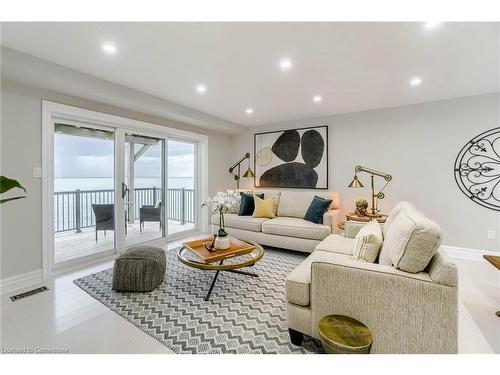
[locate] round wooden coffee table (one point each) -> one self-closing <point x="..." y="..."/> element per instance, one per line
<point x="231" y="264"/>
<point x="344" y="335"/>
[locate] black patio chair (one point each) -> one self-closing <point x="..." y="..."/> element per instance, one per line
<point x="104" y="218"/>
<point x="150" y="213"/>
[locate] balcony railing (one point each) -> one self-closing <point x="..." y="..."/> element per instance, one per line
<point x="73" y="209"/>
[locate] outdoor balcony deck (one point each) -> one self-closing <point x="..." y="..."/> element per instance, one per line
<point x="70" y="245"/>
<point x="75" y="219"/>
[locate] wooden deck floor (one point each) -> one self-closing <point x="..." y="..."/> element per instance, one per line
<point x="71" y="245"/>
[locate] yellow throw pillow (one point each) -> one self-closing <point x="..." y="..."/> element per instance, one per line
<point x="263" y="207"/>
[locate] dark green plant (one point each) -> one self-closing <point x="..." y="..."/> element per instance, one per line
<point x="7" y="184"/>
<point x="362" y="203"/>
<point x="222" y="225"/>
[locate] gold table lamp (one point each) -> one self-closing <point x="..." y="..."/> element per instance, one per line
<point x="237" y="176"/>
<point x="356" y="183"/>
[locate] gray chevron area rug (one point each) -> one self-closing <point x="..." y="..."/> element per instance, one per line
<point x="244" y="315"/>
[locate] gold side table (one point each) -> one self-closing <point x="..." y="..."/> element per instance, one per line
<point x="351" y="216"/>
<point x="341" y="334"/>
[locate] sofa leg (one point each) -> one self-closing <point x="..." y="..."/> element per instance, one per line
<point x="296" y="337"/>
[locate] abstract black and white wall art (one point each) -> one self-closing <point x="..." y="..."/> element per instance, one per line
<point x="296" y="158"/>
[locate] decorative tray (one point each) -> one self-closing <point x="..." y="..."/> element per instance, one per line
<point x="237" y="248"/>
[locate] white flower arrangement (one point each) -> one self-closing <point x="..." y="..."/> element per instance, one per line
<point x="221" y="203"/>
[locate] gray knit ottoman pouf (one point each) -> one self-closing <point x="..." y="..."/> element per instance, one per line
<point x="139" y="269"/>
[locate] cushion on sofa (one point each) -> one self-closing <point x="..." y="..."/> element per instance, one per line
<point x="275" y="194"/>
<point x="263" y="207"/>
<point x="316" y="209"/>
<point x="394" y="212"/>
<point x="368" y="242"/>
<point x="336" y="244"/>
<point x="293" y="227"/>
<point x="234" y="209"/>
<point x="253" y="224"/>
<point x="385" y="256"/>
<point x="296" y="203"/>
<point x="412" y="240"/>
<point x="247" y="204"/>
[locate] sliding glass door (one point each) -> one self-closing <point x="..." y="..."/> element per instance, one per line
<point x="181" y="194"/>
<point x="84" y="194"/>
<point x="144" y="189"/>
<point x="111" y="190"/>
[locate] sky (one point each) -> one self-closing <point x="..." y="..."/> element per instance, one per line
<point x="88" y="157"/>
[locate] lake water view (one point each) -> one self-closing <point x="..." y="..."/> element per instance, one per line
<point x="105" y="183"/>
<point x="93" y="191"/>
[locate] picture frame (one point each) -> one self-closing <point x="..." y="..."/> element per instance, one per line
<point x="292" y="158"/>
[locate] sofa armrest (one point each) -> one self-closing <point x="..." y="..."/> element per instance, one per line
<point x="331" y="218"/>
<point x="442" y="270"/>
<point x="407" y="313"/>
<point x="351" y="228"/>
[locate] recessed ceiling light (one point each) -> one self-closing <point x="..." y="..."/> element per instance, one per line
<point x="201" y="89"/>
<point x="317" y="98"/>
<point x="415" y="81"/>
<point x="109" y="48"/>
<point x="431" y="25"/>
<point x="286" y="64"/>
<point x="249" y="111"/>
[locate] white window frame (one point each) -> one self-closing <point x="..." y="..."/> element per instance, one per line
<point x="55" y="112"/>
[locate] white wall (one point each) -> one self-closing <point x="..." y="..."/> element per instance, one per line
<point x="418" y="145"/>
<point x="21" y="231"/>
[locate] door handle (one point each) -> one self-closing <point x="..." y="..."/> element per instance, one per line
<point x="124" y="190"/>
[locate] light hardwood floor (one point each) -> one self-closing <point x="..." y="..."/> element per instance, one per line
<point x="67" y="318"/>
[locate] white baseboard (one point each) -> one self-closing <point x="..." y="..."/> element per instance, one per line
<point x="17" y="282"/>
<point x="85" y="262"/>
<point x="467" y="254"/>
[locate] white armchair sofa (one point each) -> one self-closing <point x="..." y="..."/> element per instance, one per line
<point x="288" y="230"/>
<point x="406" y="312"/>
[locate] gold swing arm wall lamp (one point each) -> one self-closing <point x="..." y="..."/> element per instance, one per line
<point x="237" y="166"/>
<point x="355" y="183"/>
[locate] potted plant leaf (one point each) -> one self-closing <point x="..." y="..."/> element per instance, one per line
<point x="7" y="184"/>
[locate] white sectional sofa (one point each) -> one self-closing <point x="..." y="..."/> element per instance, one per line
<point x="407" y="312"/>
<point x="288" y="230"/>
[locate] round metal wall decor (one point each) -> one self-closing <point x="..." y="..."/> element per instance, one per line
<point x="477" y="169"/>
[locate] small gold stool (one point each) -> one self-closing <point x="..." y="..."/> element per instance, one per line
<point x="344" y="335"/>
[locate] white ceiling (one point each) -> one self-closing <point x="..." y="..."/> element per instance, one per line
<point x="353" y="66"/>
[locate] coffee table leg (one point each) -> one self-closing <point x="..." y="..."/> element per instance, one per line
<point x="217" y="275"/>
<point x="212" y="286"/>
<point x="243" y="273"/>
<point x="213" y="282"/>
